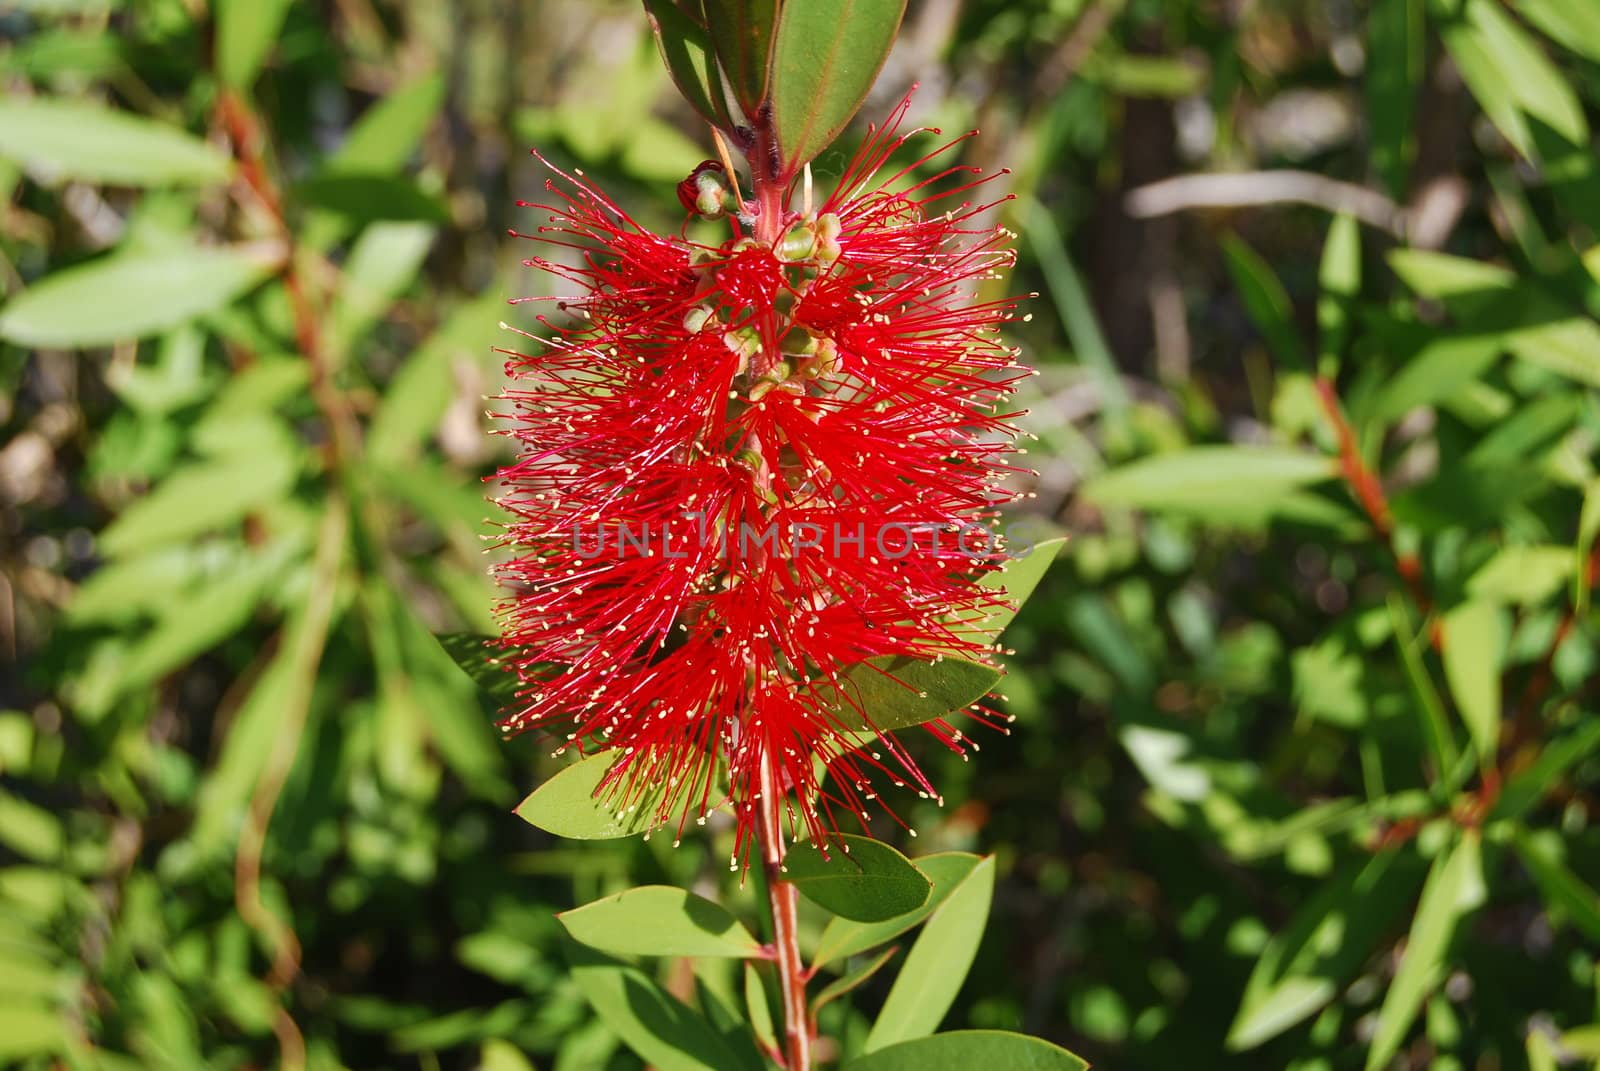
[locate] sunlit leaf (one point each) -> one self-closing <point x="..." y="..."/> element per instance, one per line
<point x="964" y="1050"/>
<point x="92" y="143"/>
<point x="659" y="920"/>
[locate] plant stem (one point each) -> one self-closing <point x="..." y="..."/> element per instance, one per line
<point x="785" y="925"/>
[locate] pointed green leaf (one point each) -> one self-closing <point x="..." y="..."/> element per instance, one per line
<point x="742" y="32"/>
<point x="1444" y="365"/>
<point x="1453" y="890"/>
<point x="884" y="694"/>
<point x="1201" y="478"/>
<point x="966" y="1050"/>
<point x="93" y="143"/>
<point x="1558" y="755"/>
<point x="475" y="655"/>
<point x="852" y="979"/>
<point x="825" y="58"/>
<point x="1396" y="43"/>
<point x="130" y="295"/>
<point x="200" y="498"/>
<point x="1574" y="24"/>
<point x="567" y="804"/>
<point x="937" y="964"/>
<point x="1340" y="279"/>
<point x="1323" y="947"/>
<point x="861" y="878"/>
<point x="1266" y="301"/>
<point x="686" y="50"/>
<point x="1565" y="892"/>
<point x="843" y="938"/>
<point x="659" y="920"/>
<point x="1475" y="635"/>
<point x="1018" y="578"/>
<point x="388" y="132"/>
<point x="758" y="1007"/>
<point x="661" y="1029"/>
<point x="246" y="32"/>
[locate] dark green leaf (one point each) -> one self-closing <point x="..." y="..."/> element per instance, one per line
<point x="663" y="1031"/>
<point x="92" y="143"/>
<point x="861" y="878"/>
<point x="130" y="295"/>
<point x="1566" y="893"/>
<point x="851" y="980"/>
<point x="883" y="694"/>
<point x="1396" y="40"/>
<point x="825" y="58"/>
<point x="845" y="937"/>
<point x="686" y="49"/>
<point x="362" y="199"/>
<point x="1266" y="300"/>
<point x="658" y="920"/>
<point x="937" y="964"/>
<point x="742" y="32"/>
<point x="966" y="1050"/>
<point x="476" y="657"/>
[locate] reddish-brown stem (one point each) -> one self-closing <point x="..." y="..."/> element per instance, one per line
<point x="1368" y="491"/>
<point x="785" y="922"/>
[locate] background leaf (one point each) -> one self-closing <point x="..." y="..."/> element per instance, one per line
<point x="78" y="140"/>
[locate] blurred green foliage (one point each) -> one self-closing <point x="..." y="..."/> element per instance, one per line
<point x="1305" y="752"/>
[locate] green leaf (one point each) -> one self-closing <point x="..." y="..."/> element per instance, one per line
<point x="1017" y="579"/>
<point x="1582" y="1041"/>
<point x="742" y="32"/>
<point x="418" y="395"/>
<point x="663" y="1031"/>
<point x="387" y="133"/>
<point x="1475" y="636"/>
<point x="1202" y="479"/>
<point x="1266" y="300"/>
<point x="130" y="295"/>
<point x="1453" y="890"/>
<point x="246" y="32"/>
<point x="363" y="199"/>
<point x="1522" y="574"/>
<point x="896" y="692"/>
<point x="851" y="980"/>
<point x="28" y="1029"/>
<point x="92" y="143"/>
<point x="1574" y="24"/>
<point x="966" y="1050"/>
<point x="1340" y="279"/>
<point x="1566" y="893"/>
<point x="937" y="964"/>
<point x="1509" y="75"/>
<point x="567" y="804"/>
<point x="686" y="49"/>
<point x="475" y="656"/>
<point x="381" y="264"/>
<point x="1526" y="788"/>
<point x="659" y="920"/>
<point x="1443" y="366"/>
<point x="825" y="59"/>
<point x="1324" y="945"/>
<point x="843" y="938"/>
<point x="861" y="878"/>
<point x="1396" y="41"/>
<point x="200" y="498"/>
<point x="758" y="1007"/>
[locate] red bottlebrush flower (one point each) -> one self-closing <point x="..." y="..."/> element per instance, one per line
<point x="743" y="468"/>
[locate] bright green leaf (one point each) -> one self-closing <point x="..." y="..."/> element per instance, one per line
<point x="200" y="498"/>
<point x="861" y="878"/>
<point x="93" y="143"/>
<point x="130" y="295"/>
<point x="966" y="1050"/>
<point x="1203" y="478"/>
<point x="246" y="32"/>
<point x="659" y="920"/>
<point x="1453" y="890"/>
<point x="937" y="964"/>
<point x="1340" y="279"/>
<point x="1522" y="574"/>
<point x="568" y="805"/>
<point x="1474" y="646"/>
